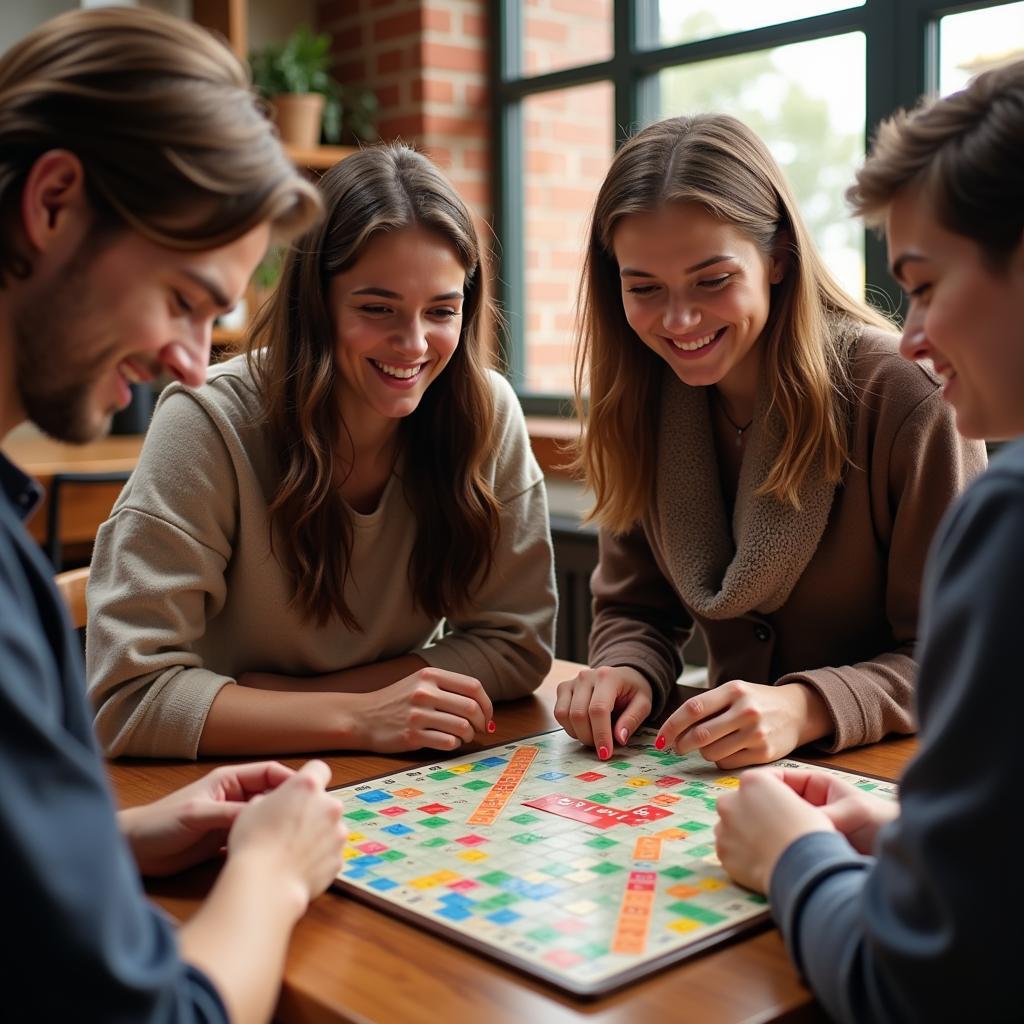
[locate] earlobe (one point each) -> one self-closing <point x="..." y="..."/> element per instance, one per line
<point x="54" y="206"/>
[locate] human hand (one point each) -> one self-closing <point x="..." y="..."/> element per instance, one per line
<point x="758" y="822"/>
<point x="585" y="705"/>
<point x="430" y="708"/>
<point x="741" y="723"/>
<point x="858" y="815"/>
<point x="296" y="835"/>
<point x="191" y="824"/>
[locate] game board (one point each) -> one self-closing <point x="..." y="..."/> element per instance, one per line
<point x="585" y="873"/>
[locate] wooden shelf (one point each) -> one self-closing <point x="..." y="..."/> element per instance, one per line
<point x="226" y="336"/>
<point x="317" y="158"/>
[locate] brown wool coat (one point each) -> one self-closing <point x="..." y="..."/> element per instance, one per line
<point x="827" y="596"/>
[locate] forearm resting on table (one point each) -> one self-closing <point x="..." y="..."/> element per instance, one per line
<point x="359" y="679"/>
<point x="270" y="719"/>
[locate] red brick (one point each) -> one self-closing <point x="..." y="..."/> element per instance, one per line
<point x="328" y="12"/>
<point x="590" y="10"/>
<point x="549" y="31"/>
<point x="350" y="38"/>
<point x="433" y="90"/>
<point x="476" y="95"/>
<point x="441" y="155"/>
<point x="389" y="61"/>
<point x="474" y="25"/>
<point x="476" y="159"/>
<point x="408" y="127"/>
<point x="540" y="161"/>
<point x="408" y="23"/>
<point x="350" y="71"/>
<point x="475" y="192"/>
<point x="388" y="96"/>
<point x="437" y="20"/>
<point x="441" y="56"/>
<point x="456" y="127"/>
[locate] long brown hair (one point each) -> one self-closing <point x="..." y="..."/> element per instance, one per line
<point x="718" y="162"/>
<point x="172" y="140"/>
<point x="445" y="441"/>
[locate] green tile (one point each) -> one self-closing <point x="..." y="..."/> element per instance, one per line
<point x="393" y="855"/>
<point x="695" y="913"/>
<point x="503" y="899"/>
<point x="527" y="838"/>
<point x="435" y="841"/>
<point x="693" y="826"/>
<point x="600" y="798"/>
<point x="606" y="867"/>
<point x="477" y="784"/>
<point x="676" y="872"/>
<point x="435" y="822"/>
<point x="601" y="842"/>
<point x="434" y="776"/>
<point x="543" y="934"/>
<point x="361" y="815"/>
<point x="700" y="851"/>
<point x="525" y="819"/>
<point x="495" y="877"/>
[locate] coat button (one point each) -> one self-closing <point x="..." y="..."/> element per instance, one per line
<point x="763" y="633"/>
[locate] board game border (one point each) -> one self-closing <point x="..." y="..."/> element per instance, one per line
<point x="587" y="990"/>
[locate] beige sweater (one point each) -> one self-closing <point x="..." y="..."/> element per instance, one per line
<point x="827" y="596"/>
<point x="185" y="595"/>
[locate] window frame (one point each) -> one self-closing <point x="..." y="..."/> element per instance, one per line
<point x="901" y="58"/>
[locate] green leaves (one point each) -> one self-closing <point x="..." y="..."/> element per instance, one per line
<point x="302" y="64"/>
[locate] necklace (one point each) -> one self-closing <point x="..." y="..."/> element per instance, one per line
<point x="740" y="431"/>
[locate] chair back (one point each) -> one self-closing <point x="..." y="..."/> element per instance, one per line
<point x="71" y="585"/>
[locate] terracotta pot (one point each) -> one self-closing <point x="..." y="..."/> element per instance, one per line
<point x="298" y="117"/>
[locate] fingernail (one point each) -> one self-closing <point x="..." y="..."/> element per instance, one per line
<point x="659" y="743"/>
<point x="623" y="735"/>
<point x="491" y="727"/>
<point x="602" y="752"/>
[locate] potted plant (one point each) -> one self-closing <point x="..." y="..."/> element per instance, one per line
<point x="305" y="101"/>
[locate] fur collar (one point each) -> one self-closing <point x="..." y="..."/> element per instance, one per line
<point x="724" y="570"/>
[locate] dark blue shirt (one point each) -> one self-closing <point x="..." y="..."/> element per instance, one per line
<point x="929" y="930"/>
<point x="81" y="940"/>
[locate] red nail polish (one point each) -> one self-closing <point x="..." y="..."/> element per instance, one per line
<point x="659" y="743"/>
<point x="491" y="727"/>
<point x="602" y="752"/>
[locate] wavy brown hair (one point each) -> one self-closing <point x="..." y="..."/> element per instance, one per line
<point x="718" y="162"/>
<point x="173" y="142"/>
<point x="445" y="441"/>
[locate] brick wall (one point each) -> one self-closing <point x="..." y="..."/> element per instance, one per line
<point x="426" y="60"/>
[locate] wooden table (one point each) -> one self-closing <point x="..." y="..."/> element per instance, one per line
<point x="350" y="963"/>
<point x="87" y="507"/>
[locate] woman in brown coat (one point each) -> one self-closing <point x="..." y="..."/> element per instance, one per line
<point x="765" y="466"/>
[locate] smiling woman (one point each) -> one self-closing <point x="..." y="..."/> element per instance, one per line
<point x="304" y="529"/>
<point x="765" y="467"/>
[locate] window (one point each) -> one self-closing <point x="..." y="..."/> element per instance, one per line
<point x="575" y="77"/>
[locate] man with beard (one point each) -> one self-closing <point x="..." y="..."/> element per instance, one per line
<point x="139" y="187"/>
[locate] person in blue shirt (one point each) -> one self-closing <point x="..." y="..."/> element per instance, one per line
<point x="912" y="913"/>
<point x="139" y="187"/>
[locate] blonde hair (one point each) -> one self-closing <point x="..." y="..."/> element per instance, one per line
<point x="964" y="153"/>
<point x="718" y="162"/>
<point x="447" y="439"/>
<point x="172" y="141"/>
